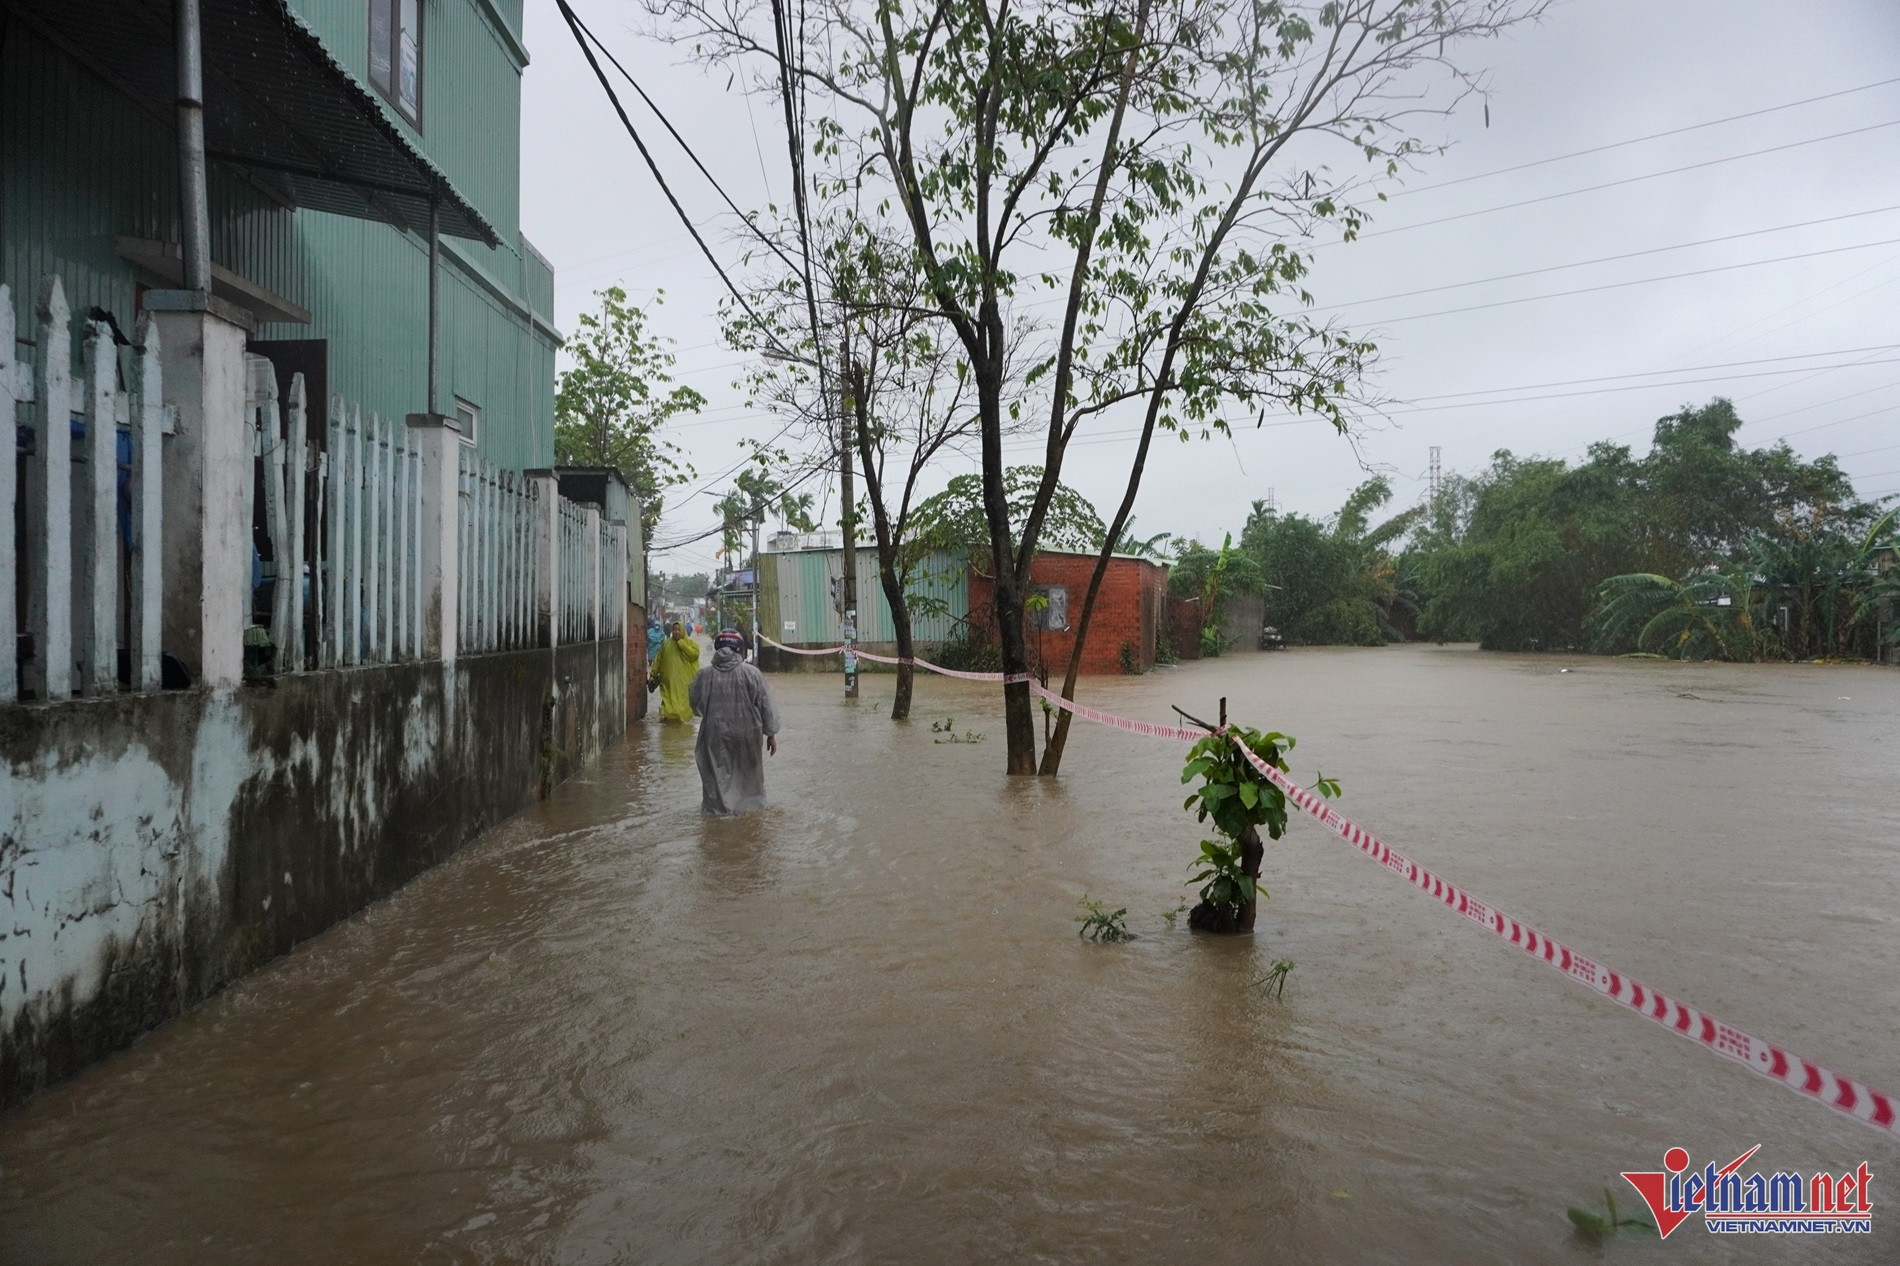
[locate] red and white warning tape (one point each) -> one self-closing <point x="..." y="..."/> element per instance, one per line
<point x="1843" y="1094"/>
<point x="886" y="659"/>
<point x="1147" y="729"/>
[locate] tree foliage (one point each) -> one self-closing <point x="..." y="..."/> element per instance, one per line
<point x="1514" y="556"/>
<point x="611" y="404"/>
<point x="1337" y="581"/>
<point x="954" y="519"/>
<point x="1149" y="171"/>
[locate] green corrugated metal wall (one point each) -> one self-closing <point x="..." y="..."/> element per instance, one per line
<point x="800" y="586"/>
<point x="82" y="163"/>
<point x="471" y="93"/>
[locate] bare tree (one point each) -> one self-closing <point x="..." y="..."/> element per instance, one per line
<point x="1150" y="169"/>
<point x="905" y="396"/>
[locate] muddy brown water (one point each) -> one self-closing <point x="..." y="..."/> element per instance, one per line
<point x="860" y="1025"/>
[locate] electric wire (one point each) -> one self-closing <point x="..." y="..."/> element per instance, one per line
<point x="1627" y="180"/>
<point x="587" y="51"/>
<point x="1602" y="259"/>
<point x="1638" y="140"/>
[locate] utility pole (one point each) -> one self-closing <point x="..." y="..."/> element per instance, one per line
<point x="847" y="378"/>
<point x="758" y="517"/>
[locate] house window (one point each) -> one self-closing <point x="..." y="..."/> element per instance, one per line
<point x="395" y="54"/>
<point x="468" y="418"/>
<point x="1053" y="618"/>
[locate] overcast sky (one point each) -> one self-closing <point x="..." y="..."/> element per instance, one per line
<point x="1796" y="344"/>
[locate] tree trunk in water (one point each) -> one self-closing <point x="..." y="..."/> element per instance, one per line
<point x="1252" y="853"/>
<point x="1019" y="716"/>
<point x="900" y="624"/>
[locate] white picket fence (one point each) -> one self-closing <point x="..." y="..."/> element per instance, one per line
<point x="93" y="580"/>
<point x="613" y="579"/>
<point x="343" y="519"/>
<point x="372" y="597"/>
<point x="500" y="572"/>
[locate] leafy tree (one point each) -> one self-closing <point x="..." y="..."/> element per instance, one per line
<point x="1514" y="556"/>
<point x="1209" y="576"/>
<point x="611" y="405"/>
<point x="903" y="389"/>
<point x="687" y="588"/>
<point x="1335" y="582"/>
<point x="1149" y="168"/>
<point x="1707" y="616"/>
<point x="955" y="518"/>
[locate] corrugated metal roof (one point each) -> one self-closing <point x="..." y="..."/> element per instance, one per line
<point x="275" y="102"/>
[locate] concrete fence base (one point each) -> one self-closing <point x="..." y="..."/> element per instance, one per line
<point x="156" y="847"/>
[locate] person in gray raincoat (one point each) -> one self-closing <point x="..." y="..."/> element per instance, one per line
<point x="737" y="720"/>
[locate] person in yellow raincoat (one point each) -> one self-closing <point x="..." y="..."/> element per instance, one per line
<point x="673" y="672"/>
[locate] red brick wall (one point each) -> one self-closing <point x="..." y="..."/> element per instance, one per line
<point x="1184" y="626"/>
<point x="636" y="662"/>
<point x="1134" y="595"/>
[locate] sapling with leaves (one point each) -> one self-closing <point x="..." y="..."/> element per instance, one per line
<point x="1240" y="800"/>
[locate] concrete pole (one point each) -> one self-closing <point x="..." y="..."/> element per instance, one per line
<point x="847" y="411"/>
<point x="757" y="518"/>
<point x="439" y="536"/>
<point x="194" y="199"/>
<point x="207" y="484"/>
<point x="547" y="550"/>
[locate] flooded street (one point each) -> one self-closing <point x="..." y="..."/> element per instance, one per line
<point x="860" y="1026"/>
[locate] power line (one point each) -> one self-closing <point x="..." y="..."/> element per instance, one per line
<point x="575" y="26"/>
<point x="1627" y="180"/>
<point x="1639" y="281"/>
<point x="1604" y="259"/>
<point x="1686" y="369"/>
<point x="1638" y="140"/>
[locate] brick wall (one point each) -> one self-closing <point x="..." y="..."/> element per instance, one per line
<point x="1133" y="598"/>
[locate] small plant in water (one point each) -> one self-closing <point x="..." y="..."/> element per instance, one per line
<point x="1171" y="915"/>
<point x="1595" y="1226"/>
<point x="948" y="729"/>
<point x="1102" y="924"/>
<point x="1275" y="979"/>
<point x="1223" y="875"/>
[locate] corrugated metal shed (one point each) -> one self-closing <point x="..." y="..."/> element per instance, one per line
<point x="798" y="589"/>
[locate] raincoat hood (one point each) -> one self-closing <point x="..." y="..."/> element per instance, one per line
<point x="725" y="657"/>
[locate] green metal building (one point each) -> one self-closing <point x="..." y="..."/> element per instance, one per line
<point x="333" y="127"/>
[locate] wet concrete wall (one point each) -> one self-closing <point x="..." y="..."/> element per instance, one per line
<point x="154" y="848"/>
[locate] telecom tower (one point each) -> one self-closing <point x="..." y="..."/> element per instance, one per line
<point x="1433" y="477"/>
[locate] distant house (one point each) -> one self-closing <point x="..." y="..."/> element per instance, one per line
<point x="800" y="583"/>
<point x="1130" y="608"/>
<point x="335" y="131"/>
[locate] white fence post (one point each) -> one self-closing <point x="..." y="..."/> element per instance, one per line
<point x="290" y="651"/>
<point x="439" y="536"/>
<point x="353" y="542"/>
<point x="16" y="386"/>
<point x="333" y="537"/>
<point x="49" y="513"/>
<point x="546" y="537"/>
<point x="590" y="555"/>
<point x="148" y="508"/>
<point x="270" y="424"/>
<point x="96" y="523"/>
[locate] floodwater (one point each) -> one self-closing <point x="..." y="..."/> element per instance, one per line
<point x="860" y="1026"/>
